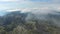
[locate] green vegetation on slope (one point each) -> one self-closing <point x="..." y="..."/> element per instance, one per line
<point x="15" y="23"/>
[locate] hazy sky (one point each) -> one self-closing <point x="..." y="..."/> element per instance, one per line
<point x="18" y="4"/>
<point x="28" y="4"/>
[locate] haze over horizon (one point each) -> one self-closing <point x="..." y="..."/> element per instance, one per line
<point x="18" y="4"/>
<point x="10" y="5"/>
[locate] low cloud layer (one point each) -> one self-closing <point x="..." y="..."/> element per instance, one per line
<point x="43" y="10"/>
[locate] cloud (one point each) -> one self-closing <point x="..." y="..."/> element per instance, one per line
<point x="29" y="6"/>
<point x="14" y="4"/>
<point x="56" y="0"/>
<point x="12" y="0"/>
<point x="8" y="0"/>
<point x="46" y="1"/>
<point x="11" y="10"/>
<point x="36" y="10"/>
